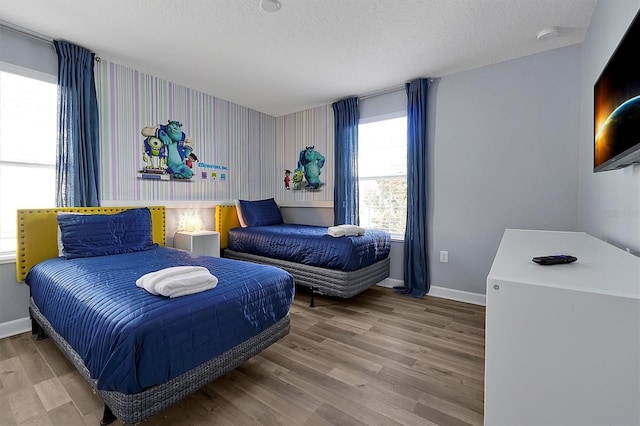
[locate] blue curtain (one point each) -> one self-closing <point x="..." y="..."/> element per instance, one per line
<point x="78" y="155"/>
<point x="416" y="256"/>
<point x="345" y="192"/>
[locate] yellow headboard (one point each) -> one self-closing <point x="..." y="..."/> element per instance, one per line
<point x="38" y="232"/>
<point x="226" y="218"/>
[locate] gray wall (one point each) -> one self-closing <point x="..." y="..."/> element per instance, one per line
<point x="609" y="201"/>
<point x="14" y="297"/>
<point x="503" y="154"/>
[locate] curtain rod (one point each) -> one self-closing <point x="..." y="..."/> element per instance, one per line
<point x="32" y="34"/>
<point x="381" y="92"/>
<point x="384" y="91"/>
<point x="24" y="31"/>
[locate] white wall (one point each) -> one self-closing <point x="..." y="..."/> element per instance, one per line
<point x="609" y="202"/>
<point x="503" y="154"/>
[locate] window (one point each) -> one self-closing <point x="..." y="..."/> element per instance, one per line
<point x="382" y="169"/>
<point x="28" y="113"/>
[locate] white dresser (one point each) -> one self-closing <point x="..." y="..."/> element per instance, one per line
<point x="562" y="341"/>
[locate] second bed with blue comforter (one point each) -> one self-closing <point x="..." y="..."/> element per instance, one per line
<point x="312" y="245"/>
<point x="131" y="340"/>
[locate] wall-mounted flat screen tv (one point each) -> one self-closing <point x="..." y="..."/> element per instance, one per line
<point x="617" y="106"/>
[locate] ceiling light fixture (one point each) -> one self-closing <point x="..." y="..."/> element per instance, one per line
<point x="547" y="33"/>
<point x="270" y="5"/>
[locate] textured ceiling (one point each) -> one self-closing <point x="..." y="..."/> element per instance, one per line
<point x="310" y="52"/>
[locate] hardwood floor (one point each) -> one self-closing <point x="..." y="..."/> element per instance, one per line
<point x="376" y="359"/>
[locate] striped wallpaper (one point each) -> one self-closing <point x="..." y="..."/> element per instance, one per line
<point x="256" y="148"/>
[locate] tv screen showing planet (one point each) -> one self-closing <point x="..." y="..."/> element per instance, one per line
<point x="617" y="104"/>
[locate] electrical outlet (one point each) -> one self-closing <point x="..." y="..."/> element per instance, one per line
<point x="444" y="256"/>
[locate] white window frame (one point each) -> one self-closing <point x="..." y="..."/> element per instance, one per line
<point x="10" y="256"/>
<point x="373" y="119"/>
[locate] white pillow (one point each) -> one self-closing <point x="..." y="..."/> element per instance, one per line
<point x="239" y="211"/>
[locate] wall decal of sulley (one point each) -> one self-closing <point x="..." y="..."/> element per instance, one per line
<point x="176" y="148"/>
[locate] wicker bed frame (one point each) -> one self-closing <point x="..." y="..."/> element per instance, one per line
<point x="329" y="282"/>
<point x="41" y="226"/>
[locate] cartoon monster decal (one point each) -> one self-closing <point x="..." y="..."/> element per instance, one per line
<point x="297" y="178"/>
<point x="154" y="154"/>
<point x="310" y="163"/>
<point x="176" y="149"/>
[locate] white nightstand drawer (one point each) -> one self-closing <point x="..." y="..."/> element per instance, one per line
<point x="198" y="242"/>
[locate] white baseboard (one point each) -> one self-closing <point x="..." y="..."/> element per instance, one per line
<point x="459" y="295"/>
<point x="390" y="283"/>
<point x="11" y="328"/>
<point x="443" y="292"/>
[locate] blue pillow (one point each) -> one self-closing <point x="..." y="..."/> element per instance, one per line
<point x="261" y="213"/>
<point x="88" y="235"/>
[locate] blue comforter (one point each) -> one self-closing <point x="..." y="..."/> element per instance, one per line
<point x="311" y="245"/>
<point x="131" y="340"/>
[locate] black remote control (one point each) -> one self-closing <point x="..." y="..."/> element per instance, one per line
<point x="554" y="260"/>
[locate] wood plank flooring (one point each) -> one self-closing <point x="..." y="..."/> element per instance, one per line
<point x="376" y="359"/>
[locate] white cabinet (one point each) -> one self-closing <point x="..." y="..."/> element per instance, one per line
<point x="562" y="341"/>
<point x="198" y="242"/>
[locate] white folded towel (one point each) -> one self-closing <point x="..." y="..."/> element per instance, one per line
<point x="178" y="281"/>
<point x="336" y="231"/>
<point x="352" y="229"/>
<point x="348" y="230"/>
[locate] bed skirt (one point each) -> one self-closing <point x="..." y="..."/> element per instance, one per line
<point x="324" y="281"/>
<point x="135" y="408"/>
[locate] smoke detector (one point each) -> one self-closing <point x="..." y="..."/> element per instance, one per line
<point x="547" y="33"/>
<point x="270" y="5"/>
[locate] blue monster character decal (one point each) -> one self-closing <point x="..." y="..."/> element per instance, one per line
<point x="310" y="163"/>
<point x="177" y="147"/>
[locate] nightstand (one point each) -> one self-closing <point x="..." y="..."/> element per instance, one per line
<point x="198" y="242"/>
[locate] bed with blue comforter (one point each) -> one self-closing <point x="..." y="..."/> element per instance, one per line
<point x="334" y="266"/>
<point x="312" y="245"/>
<point x="130" y="340"/>
<point x="143" y="352"/>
